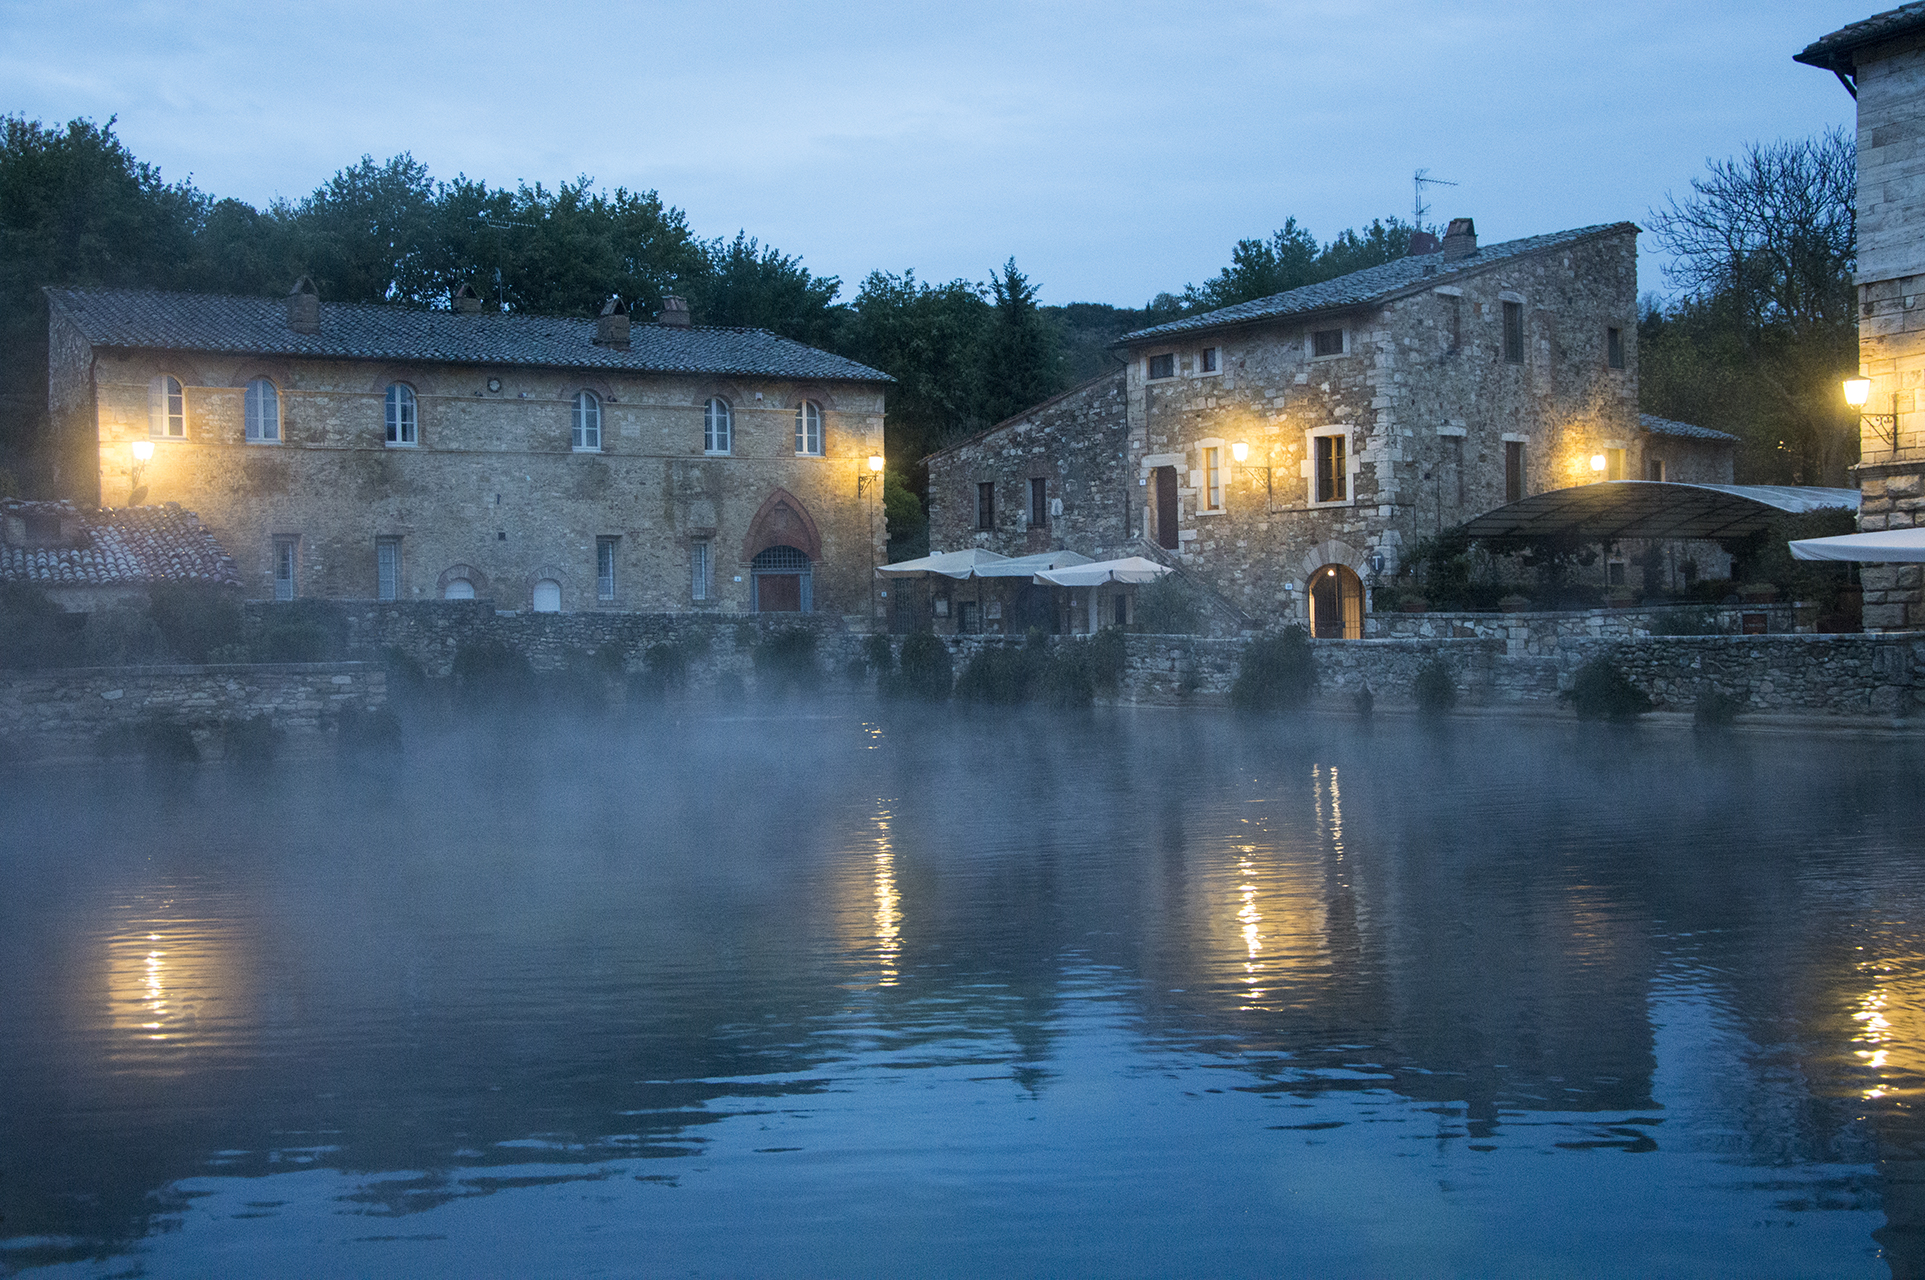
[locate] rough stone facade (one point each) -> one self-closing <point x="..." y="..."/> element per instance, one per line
<point x="494" y="489"/>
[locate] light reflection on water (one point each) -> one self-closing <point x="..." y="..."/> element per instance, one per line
<point x="1127" y="994"/>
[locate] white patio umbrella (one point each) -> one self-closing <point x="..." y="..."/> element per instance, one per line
<point x="950" y="564"/>
<point x="1130" y="569"/>
<point x="1024" y="566"/>
<point x="1892" y="546"/>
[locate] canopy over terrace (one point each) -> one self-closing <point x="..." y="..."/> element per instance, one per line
<point x="1891" y="546"/>
<point x="1619" y="509"/>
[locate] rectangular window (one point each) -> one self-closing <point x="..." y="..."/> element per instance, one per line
<point x="986" y="505"/>
<point x="1513" y="470"/>
<point x="1455" y="320"/>
<point x="1332" y="469"/>
<point x="698" y="558"/>
<point x="1206" y="360"/>
<point x="1654" y="469"/>
<point x="1514" y="332"/>
<point x="1163" y="366"/>
<point x="1614" y="464"/>
<point x="1327" y="342"/>
<point x="286" y="556"/>
<point x="1038" y="502"/>
<point x="605" y="568"/>
<point x="1213" y="479"/>
<point x="387" y="568"/>
<point x="1614" y="573"/>
<point x="1614" y="347"/>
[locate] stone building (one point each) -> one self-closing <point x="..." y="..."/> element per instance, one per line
<point x="382" y="452"/>
<point x="86" y="558"/>
<point x="1881" y="61"/>
<point x="1277" y="448"/>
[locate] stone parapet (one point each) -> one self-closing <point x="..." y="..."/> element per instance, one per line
<point x="1542" y="632"/>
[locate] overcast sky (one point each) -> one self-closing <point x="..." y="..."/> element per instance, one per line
<point x="1114" y="149"/>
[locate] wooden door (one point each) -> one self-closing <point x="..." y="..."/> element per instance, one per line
<point x="778" y="592"/>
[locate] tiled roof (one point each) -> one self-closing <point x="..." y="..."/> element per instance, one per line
<point x="150" y="320"/>
<point x="125" y="546"/>
<point x="1835" y="51"/>
<point x="1374" y="284"/>
<point x="1683" y="430"/>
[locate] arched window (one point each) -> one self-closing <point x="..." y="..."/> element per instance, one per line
<point x="167" y="408"/>
<point x="718" y="426"/>
<point x="547" y="596"/>
<point x="458" y="589"/>
<point x="401" y="415"/>
<point x="587" y="436"/>
<point x="781" y="578"/>
<point x="808" y="428"/>
<point x="263" y="412"/>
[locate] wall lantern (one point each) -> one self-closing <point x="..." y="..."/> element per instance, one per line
<point x="875" y="469"/>
<point x="143" y="451"/>
<point x="1597" y="462"/>
<point x="1857" y="392"/>
<point x="1240" y="451"/>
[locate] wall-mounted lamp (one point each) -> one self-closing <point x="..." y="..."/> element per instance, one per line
<point x="1240" y="451"/>
<point x="143" y="451"/>
<point x="864" y="478"/>
<point x="1857" y="392"/>
<point x="1598" y="462"/>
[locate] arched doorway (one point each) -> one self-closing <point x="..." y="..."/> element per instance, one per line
<point x="1336" y="604"/>
<point x="780" y="581"/>
<point x="547" y="596"/>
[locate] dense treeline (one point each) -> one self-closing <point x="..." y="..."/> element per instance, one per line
<point x="1753" y="344"/>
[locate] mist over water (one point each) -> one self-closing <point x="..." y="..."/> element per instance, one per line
<point x="834" y="989"/>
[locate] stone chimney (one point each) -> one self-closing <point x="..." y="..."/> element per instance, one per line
<point x="304" y="307"/>
<point x="611" y="326"/>
<point x="1460" y="239"/>
<point x="674" y="312"/>
<point x="466" y="301"/>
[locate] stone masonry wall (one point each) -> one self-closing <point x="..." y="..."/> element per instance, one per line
<point x="493" y="491"/>
<point x="72" y="708"/>
<point x="1428" y="400"/>
<point x="1543" y="632"/>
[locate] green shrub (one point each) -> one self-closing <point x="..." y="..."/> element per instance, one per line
<point x="230" y="653"/>
<point x="1364" y="701"/>
<point x="1000" y="675"/>
<point x="361" y="732"/>
<point x="1602" y="692"/>
<point x="1435" y="689"/>
<point x="302" y="631"/>
<point x="294" y="642"/>
<point x="120" y="635"/>
<point x="36" y="632"/>
<point x="581" y="684"/>
<point x="785" y="659"/>
<point x="924" y="670"/>
<point x="155" y="739"/>
<point x="878" y="655"/>
<point x="407" y="678"/>
<point x="1169" y="606"/>
<point x="1276" y="672"/>
<point x="1696" y="621"/>
<point x="1109" y="656"/>
<point x="1068" y="677"/>
<point x="194" y="619"/>
<point x="253" y="741"/>
<point x="1715" y="708"/>
<point x="490" y="673"/>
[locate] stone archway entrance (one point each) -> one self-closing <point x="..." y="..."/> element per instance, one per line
<point x="781" y="581"/>
<point x="1336" y="603"/>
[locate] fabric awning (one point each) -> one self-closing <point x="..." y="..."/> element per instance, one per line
<point x="1129" y="569"/>
<point x="1617" y="509"/>
<point x="1892" y="546"/>
<point x="950" y="564"/>
<point x="1024" y="566"/>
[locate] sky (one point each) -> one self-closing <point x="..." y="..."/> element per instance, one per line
<point x="1114" y="150"/>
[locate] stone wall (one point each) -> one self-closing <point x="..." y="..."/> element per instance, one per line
<point x="493" y="490"/>
<point x="74" y="709"/>
<point x="1543" y="632"/>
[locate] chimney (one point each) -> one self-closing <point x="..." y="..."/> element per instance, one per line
<point x="304" y="307"/>
<point x="674" y="312"/>
<point x="611" y="326"/>
<point x="466" y="301"/>
<point x="1460" y="239"/>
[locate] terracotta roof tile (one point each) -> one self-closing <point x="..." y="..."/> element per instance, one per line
<point x="1683" y="430"/>
<point x="125" y="546"/>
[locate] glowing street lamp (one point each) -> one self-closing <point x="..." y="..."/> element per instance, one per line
<point x="1857" y="391"/>
<point x="1884" y="425"/>
<point x="875" y="469"/>
<point x="143" y="451"/>
<point x="1597" y="462"/>
<point x="1240" y="451"/>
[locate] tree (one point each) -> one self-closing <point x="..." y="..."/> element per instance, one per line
<point x="1290" y="259"/>
<point x="1764" y="325"/>
<point x="927" y="337"/>
<point x="750" y="286"/>
<point x="1021" y="360"/>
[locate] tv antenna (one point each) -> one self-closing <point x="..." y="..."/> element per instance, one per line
<point x="1418" y="208"/>
<point x="501" y="290"/>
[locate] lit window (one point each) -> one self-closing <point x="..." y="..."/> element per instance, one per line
<point x="387" y="565"/>
<point x="808" y="428"/>
<point x="605" y="568"/>
<point x="1163" y="366"/>
<point x="1514" y="332"/>
<point x="1332" y="479"/>
<point x="698" y="556"/>
<point x="1213" y="478"/>
<point x="718" y="427"/>
<point x="1614" y="464"/>
<point x="167" y="418"/>
<point x="1206" y="360"/>
<point x="1327" y="342"/>
<point x="401" y="415"/>
<point x="286" y="560"/>
<point x="263" y="412"/>
<point x="587" y="436"/>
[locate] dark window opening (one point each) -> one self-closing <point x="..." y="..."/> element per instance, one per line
<point x="1332" y="474"/>
<point x="1206" y="362"/>
<point x="1166" y="518"/>
<point x="1455" y="321"/>
<point x="1615" y="573"/>
<point x="986" y="505"/>
<point x="1514" y="332"/>
<point x="1654" y="469"/>
<point x="1513" y="470"/>
<point x="1038" y="502"/>
<point x="1614" y="347"/>
<point x="1327" y="342"/>
<point x="1163" y="366"/>
<point x="604" y="568"/>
